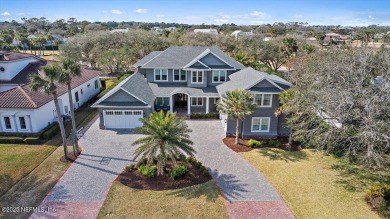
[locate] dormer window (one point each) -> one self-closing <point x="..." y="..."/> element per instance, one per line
<point x="160" y="74"/>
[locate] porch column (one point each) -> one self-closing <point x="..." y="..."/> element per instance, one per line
<point x="171" y="104"/>
<point x="189" y="105"/>
<point x="207" y="105"/>
<point x="1" y="123"/>
<point x="15" y="123"/>
<point x="29" y="120"/>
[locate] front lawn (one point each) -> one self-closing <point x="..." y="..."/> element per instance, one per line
<point x="16" y="161"/>
<point x="315" y="185"/>
<point x="199" y="201"/>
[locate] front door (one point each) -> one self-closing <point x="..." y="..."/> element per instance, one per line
<point x="180" y="100"/>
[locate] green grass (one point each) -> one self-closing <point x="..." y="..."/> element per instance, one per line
<point x="49" y="54"/>
<point x="199" y="201"/>
<point x="16" y="161"/>
<point x="315" y="185"/>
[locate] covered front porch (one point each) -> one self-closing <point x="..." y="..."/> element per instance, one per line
<point x="183" y="103"/>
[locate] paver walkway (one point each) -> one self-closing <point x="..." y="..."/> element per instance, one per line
<point x="247" y="191"/>
<point x="80" y="193"/>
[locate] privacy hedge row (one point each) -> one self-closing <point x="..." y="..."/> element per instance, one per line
<point x="50" y="131"/>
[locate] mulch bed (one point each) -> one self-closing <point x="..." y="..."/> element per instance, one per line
<point x="242" y="145"/>
<point x="136" y="180"/>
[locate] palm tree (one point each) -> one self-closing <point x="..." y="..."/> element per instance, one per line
<point x="289" y="48"/>
<point x="167" y="138"/>
<point x="237" y="104"/>
<point x="284" y="99"/>
<point x="244" y="58"/>
<point x="47" y="85"/>
<point x="50" y="38"/>
<point x="69" y="70"/>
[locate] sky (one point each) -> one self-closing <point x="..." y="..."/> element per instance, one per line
<point x="243" y="12"/>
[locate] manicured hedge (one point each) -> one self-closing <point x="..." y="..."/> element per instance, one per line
<point x="32" y="140"/>
<point x="50" y="131"/>
<point x="10" y="140"/>
<point x="204" y="116"/>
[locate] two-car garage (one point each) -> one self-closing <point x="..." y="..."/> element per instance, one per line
<point x="122" y="118"/>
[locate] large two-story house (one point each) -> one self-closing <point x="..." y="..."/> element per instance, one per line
<point x="25" y="111"/>
<point x="191" y="80"/>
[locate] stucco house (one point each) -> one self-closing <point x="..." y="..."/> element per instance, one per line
<point x="191" y="80"/>
<point x="26" y="111"/>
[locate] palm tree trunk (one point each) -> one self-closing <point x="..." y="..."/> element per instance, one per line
<point x="237" y="130"/>
<point x="76" y="150"/>
<point x="61" y="123"/>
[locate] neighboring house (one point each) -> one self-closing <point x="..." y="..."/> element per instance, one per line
<point x="57" y="37"/>
<point x="23" y="110"/>
<point x="120" y="30"/>
<point x="266" y="39"/>
<point x="333" y="38"/>
<point x="207" y="31"/>
<point x="238" y="33"/>
<point x="189" y="80"/>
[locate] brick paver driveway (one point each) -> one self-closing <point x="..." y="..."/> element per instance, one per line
<point x="247" y="191"/>
<point x="82" y="190"/>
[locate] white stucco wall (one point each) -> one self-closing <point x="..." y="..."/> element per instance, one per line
<point x="6" y="87"/>
<point x="12" y="68"/>
<point x="45" y="115"/>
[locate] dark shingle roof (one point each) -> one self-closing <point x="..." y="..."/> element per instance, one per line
<point x="246" y="78"/>
<point x="24" y="97"/>
<point x="147" y="58"/>
<point x="136" y="85"/>
<point x="178" y="57"/>
<point x="167" y="89"/>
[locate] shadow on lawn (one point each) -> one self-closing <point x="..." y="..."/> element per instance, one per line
<point x="231" y="188"/>
<point x="287" y="156"/>
<point x="356" y="178"/>
<point x="5" y="182"/>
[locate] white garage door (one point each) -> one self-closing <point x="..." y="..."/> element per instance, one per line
<point x="122" y="118"/>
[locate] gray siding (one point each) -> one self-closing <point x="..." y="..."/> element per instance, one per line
<point x="121" y="96"/>
<point x="146" y="112"/>
<point x="189" y="80"/>
<point x="199" y="109"/>
<point x="283" y="130"/>
<point x="210" y="59"/>
<point x="260" y="112"/>
<point x="263" y="84"/>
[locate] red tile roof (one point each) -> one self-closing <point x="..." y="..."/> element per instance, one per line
<point x="23" y="97"/>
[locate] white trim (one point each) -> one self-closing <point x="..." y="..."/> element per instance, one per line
<point x="180" y="71"/>
<point x="113" y="107"/>
<point x="133" y="95"/>
<point x="261" y="120"/>
<point x="154" y="74"/>
<point x="197" y="75"/>
<point x="262" y="100"/>
<point x="219" y="76"/>
<point x="196" y="101"/>
<point x="207" y="104"/>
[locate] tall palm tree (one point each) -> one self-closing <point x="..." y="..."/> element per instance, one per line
<point x="167" y="138"/>
<point x="49" y="37"/>
<point x="47" y="85"/>
<point x="70" y="69"/>
<point x="289" y="48"/>
<point x="285" y="98"/>
<point x="237" y="104"/>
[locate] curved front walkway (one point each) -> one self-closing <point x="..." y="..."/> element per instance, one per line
<point x="247" y="191"/>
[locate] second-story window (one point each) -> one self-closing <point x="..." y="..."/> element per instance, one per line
<point x="179" y="75"/>
<point x="161" y="74"/>
<point x="197" y="77"/>
<point x="263" y="100"/>
<point x="219" y="76"/>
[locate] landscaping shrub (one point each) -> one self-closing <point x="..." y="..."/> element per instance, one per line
<point x="10" y="140"/>
<point x="130" y="168"/>
<point x="149" y="172"/>
<point x="32" y="140"/>
<point x="178" y="172"/>
<point x="203" y="170"/>
<point x="378" y="196"/>
<point x="274" y="143"/>
<point x="50" y="131"/>
<point x="204" y="116"/>
<point x="254" y="143"/>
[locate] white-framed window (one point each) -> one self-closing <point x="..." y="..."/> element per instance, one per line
<point x="216" y="99"/>
<point x="7" y="122"/>
<point x="161" y="101"/>
<point x="161" y="74"/>
<point x="260" y="124"/>
<point x="219" y="76"/>
<point x="196" y="101"/>
<point x="197" y="77"/>
<point x="22" y="122"/>
<point x="179" y="75"/>
<point x="263" y="100"/>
